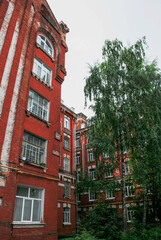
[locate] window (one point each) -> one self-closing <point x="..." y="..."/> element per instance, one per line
<point x="67" y="189"/>
<point x="33" y="149"/>
<point x="117" y="170"/>
<point x="92" y="174"/>
<point x="92" y="196"/>
<point x="77" y="142"/>
<point x="78" y="158"/>
<point x="42" y="71"/>
<point x="105" y="155"/>
<point x="66" y="142"/>
<point x="82" y="125"/>
<point x="127" y="168"/>
<point x="129" y="191"/>
<point x="45" y="44"/>
<point x="38" y="105"/>
<point x="67" y="122"/>
<point x="66" y="164"/>
<point x="110" y="194"/>
<point x="78" y="176"/>
<point x="78" y="197"/>
<point x="29" y="205"/>
<point x="90" y="156"/>
<point x="130" y="215"/>
<point x="66" y="216"/>
<point x="108" y="172"/>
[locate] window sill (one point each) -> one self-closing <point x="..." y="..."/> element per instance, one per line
<point x="28" y="114"/>
<point x="67" y="224"/>
<point x="28" y="225"/>
<point x="66" y="130"/>
<point x="41" y="81"/>
<point x="131" y="196"/>
<point x="22" y="162"/>
<point x="67" y="197"/>
<point x="113" y="198"/>
<point x="67" y="149"/>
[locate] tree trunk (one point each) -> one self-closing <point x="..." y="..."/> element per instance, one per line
<point x="123" y="195"/>
<point x="144" y="205"/>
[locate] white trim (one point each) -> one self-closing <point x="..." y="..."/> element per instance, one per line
<point x="11" y="118"/>
<point x="61" y="184"/>
<point x="6" y="22"/>
<point x="8" y="66"/>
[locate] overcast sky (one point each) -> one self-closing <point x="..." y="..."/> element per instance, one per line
<point x="91" y="22"/>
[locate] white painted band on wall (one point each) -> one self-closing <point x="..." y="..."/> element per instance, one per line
<point x="6" y="22"/>
<point x="12" y="114"/>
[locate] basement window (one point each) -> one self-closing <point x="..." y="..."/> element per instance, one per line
<point x="29" y="205"/>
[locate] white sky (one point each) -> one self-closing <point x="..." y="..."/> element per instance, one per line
<point x="91" y="22"/>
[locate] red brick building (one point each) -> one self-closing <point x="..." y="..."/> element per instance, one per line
<point x="32" y="69"/>
<point x="66" y="185"/>
<point x="85" y="163"/>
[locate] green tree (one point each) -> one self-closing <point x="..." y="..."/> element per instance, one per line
<point x="124" y="93"/>
<point x="102" y="222"/>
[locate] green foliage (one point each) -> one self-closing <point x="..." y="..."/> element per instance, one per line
<point x="102" y="222"/>
<point x="125" y="94"/>
<point x="144" y="234"/>
<point x="85" y="235"/>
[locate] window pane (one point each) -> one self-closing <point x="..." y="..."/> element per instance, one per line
<point x="35" y="193"/>
<point x="27" y="210"/>
<point x="45" y="44"/>
<point x="18" y="209"/>
<point x="36" y="210"/>
<point x="22" y="191"/>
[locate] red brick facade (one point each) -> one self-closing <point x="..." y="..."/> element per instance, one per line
<point x="66" y="193"/>
<point x="32" y="58"/>
<point x="87" y="164"/>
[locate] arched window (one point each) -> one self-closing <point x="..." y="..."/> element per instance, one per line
<point x="45" y="44"/>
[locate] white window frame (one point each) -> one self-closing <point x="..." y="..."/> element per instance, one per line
<point x="77" y="197"/>
<point x="77" y="142"/>
<point x="45" y="44"/>
<point x="127" y="168"/>
<point x="32" y="200"/>
<point x="92" y="174"/>
<point x="108" y="173"/>
<point x="110" y="194"/>
<point x="38" y="105"/>
<point x="92" y="196"/>
<point x="130" y="213"/>
<point x="66" y="164"/>
<point x="83" y="125"/>
<point x="105" y="155"/>
<point x="129" y="191"/>
<point x="67" y="189"/>
<point x="66" y="216"/>
<point x="90" y="156"/>
<point x="77" y="158"/>
<point x="42" y="71"/>
<point x="33" y="152"/>
<point x="66" y="142"/>
<point x="67" y="122"/>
